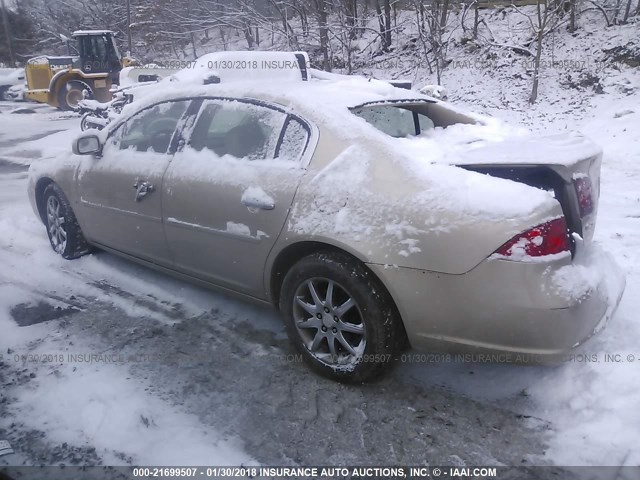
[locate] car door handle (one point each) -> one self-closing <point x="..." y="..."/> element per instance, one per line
<point x="255" y="203"/>
<point x="143" y="188"/>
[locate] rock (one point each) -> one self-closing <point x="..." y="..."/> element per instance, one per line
<point x="628" y="54"/>
<point x="22" y="110"/>
<point x="622" y="113"/>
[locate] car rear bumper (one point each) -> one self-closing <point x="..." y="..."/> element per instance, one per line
<point x="531" y="311"/>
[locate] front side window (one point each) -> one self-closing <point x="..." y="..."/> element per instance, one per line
<point x="240" y="129"/>
<point x="151" y="129"/>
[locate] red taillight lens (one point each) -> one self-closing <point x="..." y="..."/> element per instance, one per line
<point x="583" y="190"/>
<point x="546" y="239"/>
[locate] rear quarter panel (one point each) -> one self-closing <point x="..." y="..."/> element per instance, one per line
<point x="357" y="195"/>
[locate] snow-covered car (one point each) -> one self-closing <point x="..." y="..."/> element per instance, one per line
<point x="373" y="217"/>
<point x="12" y="83"/>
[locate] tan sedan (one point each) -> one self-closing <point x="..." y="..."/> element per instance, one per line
<point x="372" y="217"/>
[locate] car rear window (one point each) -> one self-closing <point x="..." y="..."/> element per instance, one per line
<point x="400" y="120"/>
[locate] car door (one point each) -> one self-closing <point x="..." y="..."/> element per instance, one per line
<point x="228" y="192"/>
<point x="120" y="190"/>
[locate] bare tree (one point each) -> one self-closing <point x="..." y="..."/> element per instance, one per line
<point x="627" y="10"/>
<point x="476" y="17"/>
<point x="545" y="19"/>
<point x="432" y="16"/>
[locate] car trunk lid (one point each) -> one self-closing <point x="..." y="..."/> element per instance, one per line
<point x="567" y="165"/>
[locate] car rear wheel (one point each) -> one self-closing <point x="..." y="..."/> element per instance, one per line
<point x="64" y="233"/>
<point x="339" y="317"/>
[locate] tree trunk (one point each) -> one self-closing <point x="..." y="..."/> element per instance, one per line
<point x="223" y="38"/>
<point x="381" y="25"/>
<point x="305" y="22"/>
<point x="355" y="19"/>
<point x="536" y="67"/>
<point x="617" y="12"/>
<point x="324" y="34"/>
<point x="476" y="17"/>
<point x="248" y="35"/>
<point x="193" y="46"/>
<point x="572" y="15"/>
<point x="627" y="10"/>
<point x="350" y="10"/>
<point x="7" y="32"/>
<point x="387" y="21"/>
<point x="444" y="14"/>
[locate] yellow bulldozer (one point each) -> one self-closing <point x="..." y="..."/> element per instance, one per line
<point x="93" y="65"/>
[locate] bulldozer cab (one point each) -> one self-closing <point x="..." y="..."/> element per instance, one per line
<point x="97" y="51"/>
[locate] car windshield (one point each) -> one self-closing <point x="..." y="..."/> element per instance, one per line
<point x="401" y="120"/>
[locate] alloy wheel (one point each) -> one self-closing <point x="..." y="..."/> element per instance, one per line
<point x="56" y="225"/>
<point x="329" y="322"/>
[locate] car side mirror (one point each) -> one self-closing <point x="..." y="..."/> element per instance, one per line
<point x="87" y="145"/>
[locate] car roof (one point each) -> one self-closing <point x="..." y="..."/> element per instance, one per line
<point x="313" y="95"/>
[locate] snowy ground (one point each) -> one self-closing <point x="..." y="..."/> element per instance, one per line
<point x="180" y="375"/>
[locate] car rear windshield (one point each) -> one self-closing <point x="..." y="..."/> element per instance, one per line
<point x="405" y="119"/>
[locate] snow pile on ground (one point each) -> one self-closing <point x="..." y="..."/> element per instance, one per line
<point x="99" y="406"/>
<point x="595" y="404"/>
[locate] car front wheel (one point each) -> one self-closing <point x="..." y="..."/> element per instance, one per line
<point x="339" y="317"/>
<point x="64" y="233"/>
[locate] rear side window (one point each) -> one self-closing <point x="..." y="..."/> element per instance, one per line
<point x="240" y="129"/>
<point x="294" y="140"/>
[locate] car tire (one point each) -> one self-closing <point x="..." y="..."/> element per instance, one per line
<point x="370" y="325"/>
<point x="64" y="232"/>
<point x="84" y="122"/>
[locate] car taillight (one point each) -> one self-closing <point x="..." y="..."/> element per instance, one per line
<point x="546" y="239"/>
<point x="583" y="190"/>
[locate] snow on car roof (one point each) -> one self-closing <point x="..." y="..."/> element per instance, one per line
<point x="280" y="77"/>
<point x="242" y="66"/>
<point x="328" y="102"/>
<point x="309" y="95"/>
